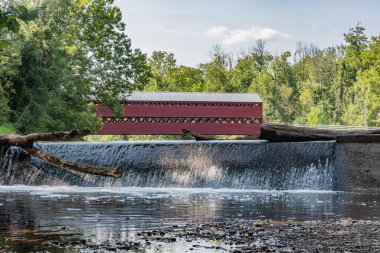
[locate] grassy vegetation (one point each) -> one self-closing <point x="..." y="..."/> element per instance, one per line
<point x="131" y="137"/>
<point x="6" y="129"/>
<point x="105" y="138"/>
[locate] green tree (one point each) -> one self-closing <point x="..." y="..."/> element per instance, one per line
<point x="167" y="76"/>
<point x="184" y="79"/>
<point x="10" y="61"/>
<point x="9" y="56"/>
<point x="286" y="88"/>
<point x="114" y="67"/>
<point x="217" y="78"/>
<point x="216" y="72"/>
<point x="248" y="67"/>
<point x="160" y="63"/>
<point x="356" y="41"/>
<point x="9" y="20"/>
<point x="74" y="53"/>
<point x="365" y="110"/>
<point x="4" y="111"/>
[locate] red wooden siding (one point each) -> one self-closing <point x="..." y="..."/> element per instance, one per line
<point x="170" y="117"/>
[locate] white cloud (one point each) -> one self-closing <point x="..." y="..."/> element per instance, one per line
<point x="235" y="36"/>
<point x="217" y="31"/>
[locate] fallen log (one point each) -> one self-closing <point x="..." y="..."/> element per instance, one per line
<point x="83" y="168"/>
<point x="202" y="137"/>
<point x="369" y="138"/>
<point x="198" y="137"/>
<point x="286" y="133"/>
<point x="26" y="142"/>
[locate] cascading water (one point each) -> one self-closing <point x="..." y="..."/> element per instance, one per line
<point x="211" y="164"/>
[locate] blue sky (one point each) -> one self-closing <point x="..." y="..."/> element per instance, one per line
<point x="189" y="28"/>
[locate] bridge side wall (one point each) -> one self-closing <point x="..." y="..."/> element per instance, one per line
<point x="144" y="117"/>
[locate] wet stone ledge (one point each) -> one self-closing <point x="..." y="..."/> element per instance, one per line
<point x="321" y="165"/>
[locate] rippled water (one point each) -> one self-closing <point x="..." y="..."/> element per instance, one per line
<point x="31" y="215"/>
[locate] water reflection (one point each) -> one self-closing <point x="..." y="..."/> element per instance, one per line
<point x="31" y="215"/>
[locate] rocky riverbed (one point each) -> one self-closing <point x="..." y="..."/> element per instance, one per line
<point x="150" y="220"/>
<point x="346" y="235"/>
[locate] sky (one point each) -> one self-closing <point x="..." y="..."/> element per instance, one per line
<point x="190" y="28"/>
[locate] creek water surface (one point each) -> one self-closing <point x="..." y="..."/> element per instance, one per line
<point x="30" y="215"/>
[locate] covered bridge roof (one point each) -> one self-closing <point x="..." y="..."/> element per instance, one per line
<point x="193" y="96"/>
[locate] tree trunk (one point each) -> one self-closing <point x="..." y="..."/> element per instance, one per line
<point x="26" y="142"/>
<point x="83" y="168"/>
<point x="285" y="133"/>
<point x="198" y="137"/>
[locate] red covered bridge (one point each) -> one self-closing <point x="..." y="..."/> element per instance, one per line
<point x="169" y="112"/>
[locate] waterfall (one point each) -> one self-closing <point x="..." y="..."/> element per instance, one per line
<point x="211" y="164"/>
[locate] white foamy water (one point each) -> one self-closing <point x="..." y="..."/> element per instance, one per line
<point x="56" y="191"/>
<point x="252" y="165"/>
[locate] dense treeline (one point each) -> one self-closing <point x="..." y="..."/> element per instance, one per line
<point x="336" y="85"/>
<point x="74" y="51"/>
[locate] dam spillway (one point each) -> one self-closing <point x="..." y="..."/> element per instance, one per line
<point x="187" y="164"/>
<point x="168" y="185"/>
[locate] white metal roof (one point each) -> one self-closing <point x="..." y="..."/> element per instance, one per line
<point x="192" y="96"/>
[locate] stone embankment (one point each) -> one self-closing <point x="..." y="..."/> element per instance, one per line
<point x="361" y="163"/>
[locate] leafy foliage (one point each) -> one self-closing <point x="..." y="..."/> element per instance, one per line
<point x="6" y="129"/>
<point x="167" y="76"/>
<point x="72" y="53"/>
<point x="9" y="20"/>
<point x="336" y="85"/>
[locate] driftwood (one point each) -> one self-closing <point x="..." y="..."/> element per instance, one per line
<point x="26" y="142"/>
<point x="285" y="133"/>
<point x="368" y="138"/>
<point x="202" y="137"/>
<point x="198" y="137"/>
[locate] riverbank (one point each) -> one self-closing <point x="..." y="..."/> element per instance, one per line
<point x="238" y="236"/>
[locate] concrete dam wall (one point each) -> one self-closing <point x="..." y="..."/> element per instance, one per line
<point x="324" y="165"/>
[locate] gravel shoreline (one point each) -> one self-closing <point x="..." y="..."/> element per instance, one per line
<point x="269" y="236"/>
<point x="238" y="236"/>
